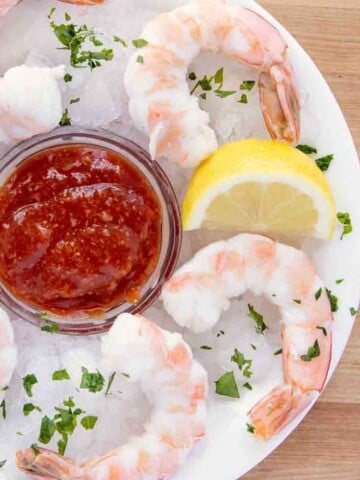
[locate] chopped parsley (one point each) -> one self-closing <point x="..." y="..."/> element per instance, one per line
<point x="65" y="120"/>
<point x="323" y="329"/>
<point x="219" y="77"/>
<point x="74" y="100"/>
<point x="259" y="319"/>
<point x="59" y="375"/>
<point x="220" y="333"/>
<point x="205" y="347"/>
<point x="297" y="301"/>
<point x="324" y="162"/>
<point x="140" y="59"/>
<point x="333" y="301"/>
<point x="278" y="352"/>
<point x="126" y="375"/>
<point x="2" y="463"/>
<point x="120" y="40"/>
<point x="203" y="96"/>
<point x="88" y="422"/>
<point x="140" y="42"/>
<point x="345" y="220"/>
<point x="243" y="99"/>
<point x="306" y="149"/>
<point x="312" y="352"/>
<point x="29" y="407"/>
<point x="73" y="38"/>
<point x="247" y="385"/>
<point x="44" y="316"/>
<point x="110" y="382"/>
<point x="250" y="428"/>
<point x="253" y="346"/>
<point x="67" y="78"/>
<point x="94" y="382"/>
<point x="192" y="76"/>
<point x="353" y="311"/>
<point x="247" y="85"/>
<point x="67" y="17"/>
<point x="224" y="93"/>
<point x="29" y="381"/>
<point x="51" y="13"/>
<point x="318" y="294"/>
<point x="242" y="362"/>
<point x="35" y="448"/>
<point x="3" y="409"/>
<point x="339" y="281"/>
<point x="47" y="430"/>
<point x="226" y="385"/>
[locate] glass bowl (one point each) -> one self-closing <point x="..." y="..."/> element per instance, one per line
<point x="82" y="323"/>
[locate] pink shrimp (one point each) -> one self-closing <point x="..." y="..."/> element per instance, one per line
<point x="175" y="384"/>
<point x="202" y="288"/>
<point x="156" y="76"/>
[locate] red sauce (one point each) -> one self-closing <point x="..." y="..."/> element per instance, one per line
<point x="80" y="230"/>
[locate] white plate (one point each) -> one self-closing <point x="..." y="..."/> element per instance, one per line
<point x="228" y="451"/>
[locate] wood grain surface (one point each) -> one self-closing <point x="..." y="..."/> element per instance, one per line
<point x="326" y="445"/>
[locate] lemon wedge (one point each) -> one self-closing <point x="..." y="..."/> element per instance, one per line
<point x="260" y="186"/>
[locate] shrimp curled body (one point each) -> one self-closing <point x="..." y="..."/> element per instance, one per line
<point x="202" y="288"/>
<point x="175" y="384"/>
<point x="8" y="355"/>
<point x="155" y="79"/>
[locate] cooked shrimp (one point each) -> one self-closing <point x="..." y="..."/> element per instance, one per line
<point x="30" y="102"/>
<point x="202" y="288"/>
<point x="175" y="384"/>
<point x="155" y="79"/>
<point x="8" y="355"/>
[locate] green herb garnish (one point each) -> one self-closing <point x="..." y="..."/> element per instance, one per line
<point x="323" y="329"/>
<point x="312" y="352"/>
<point x="259" y="319"/>
<point x="247" y="385"/>
<point x="339" y="281"/>
<point x="140" y="43"/>
<point x="278" y="352"/>
<point x="140" y="59"/>
<point x="120" y="40"/>
<point x="74" y="100"/>
<point x="110" y="382"/>
<point x="47" y="430"/>
<point x="3" y="409"/>
<point x="192" y="76"/>
<point x="250" y="428"/>
<point x="28" y="383"/>
<point x="345" y="220"/>
<point x="324" y="162"/>
<point x="59" y="375"/>
<point x="242" y="362"/>
<point x="224" y="93"/>
<point x="2" y="463"/>
<point x="64" y="122"/>
<point x="247" y="85"/>
<point x="51" y="13"/>
<point x="67" y="17"/>
<point x="205" y="347"/>
<point x="318" y="294"/>
<point x="353" y="311"/>
<point x="253" y="346"/>
<point x="29" y="407"/>
<point x="67" y="77"/>
<point x="94" y="382"/>
<point x="243" y="99"/>
<point x="88" y="422"/>
<point x="306" y="149"/>
<point x="333" y="300"/>
<point x="226" y="385"/>
<point x="35" y="448"/>
<point x="297" y="301"/>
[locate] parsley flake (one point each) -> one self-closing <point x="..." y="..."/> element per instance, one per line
<point x="253" y="346"/>
<point x="120" y="40"/>
<point x="250" y="428"/>
<point x="243" y="99"/>
<point x="242" y="362"/>
<point x="205" y="347"/>
<point x="333" y="301"/>
<point x="259" y="319"/>
<point x="140" y="59"/>
<point x="324" y="162"/>
<point x="110" y="382"/>
<point x="353" y="311"/>
<point x="51" y="13"/>
<point x="88" y="422"/>
<point x="140" y="43"/>
<point x="226" y="385"/>
<point x="312" y="352"/>
<point x="47" y="430"/>
<point x="94" y="382"/>
<point x="3" y="409"/>
<point x="67" y="17"/>
<point x="297" y="301"/>
<point x="65" y="120"/>
<point x="323" y="329"/>
<point x="318" y="294"/>
<point x="247" y="85"/>
<point x="29" y="407"/>
<point x="306" y="149"/>
<point x="59" y="375"/>
<point x="192" y="76"/>
<point x="74" y="100"/>
<point x="345" y="220"/>
<point x="67" y="78"/>
<point x="247" y="385"/>
<point x="29" y="381"/>
<point x="339" y="281"/>
<point x="2" y="463"/>
<point x="278" y="352"/>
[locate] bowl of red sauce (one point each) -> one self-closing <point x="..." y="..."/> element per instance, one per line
<point x="89" y="228"/>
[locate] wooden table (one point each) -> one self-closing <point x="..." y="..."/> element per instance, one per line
<point x="326" y="445"/>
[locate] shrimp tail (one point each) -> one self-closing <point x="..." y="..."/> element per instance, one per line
<point x="273" y="412"/>
<point x="45" y="464"/>
<point x="280" y="102"/>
